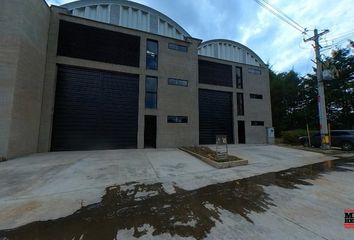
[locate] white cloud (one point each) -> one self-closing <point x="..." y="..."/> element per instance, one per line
<point x="283" y="45"/>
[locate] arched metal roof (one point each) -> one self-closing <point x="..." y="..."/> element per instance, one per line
<point x="231" y="51"/>
<point x="127" y="14"/>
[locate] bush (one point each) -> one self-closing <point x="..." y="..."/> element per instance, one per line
<point x="292" y="137"/>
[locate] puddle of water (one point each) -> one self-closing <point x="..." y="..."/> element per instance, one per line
<point x="183" y="213"/>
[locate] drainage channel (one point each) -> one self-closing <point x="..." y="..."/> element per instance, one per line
<point x="183" y="213"/>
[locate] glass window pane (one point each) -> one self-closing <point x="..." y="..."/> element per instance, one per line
<point x="256" y="96"/>
<point x="152" y="50"/>
<point x="151" y="84"/>
<point x="177" y="47"/>
<point x="151" y="62"/>
<point x="257" y="123"/>
<point x="151" y="100"/>
<point x="254" y="71"/>
<point x="152" y="47"/>
<point x="178" y="82"/>
<point x="184" y="119"/>
<point x="240" y="104"/>
<point x="239" y="80"/>
<point x="177" y="119"/>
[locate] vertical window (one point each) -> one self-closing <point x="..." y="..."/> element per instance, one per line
<point x="151" y="92"/>
<point x="240" y="105"/>
<point x="239" y="79"/>
<point x="152" y="52"/>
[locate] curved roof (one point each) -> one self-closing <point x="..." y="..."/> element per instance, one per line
<point x="231" y="51"/>
<point x="127" y="14"/>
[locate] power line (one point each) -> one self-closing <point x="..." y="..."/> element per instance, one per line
<point x="334" y="44"/>
<point x="285" y="15"/>
<point x="342" y="35"/>
<point x="281" y="15"/>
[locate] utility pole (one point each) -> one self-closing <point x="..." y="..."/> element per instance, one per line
<point x="320" y="89"/>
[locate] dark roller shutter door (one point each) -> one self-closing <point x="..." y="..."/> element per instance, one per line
<point x="95" y="110"/>
<point x="215" y="116"/>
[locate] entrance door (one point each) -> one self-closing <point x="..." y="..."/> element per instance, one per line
<point x="150" y="132"/>
<point x="241" y="132"/>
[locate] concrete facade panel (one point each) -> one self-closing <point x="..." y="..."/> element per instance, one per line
<point x="255" y="109"/>
<point x="29" y="63"/>
<point x="172" y="100"/>
<point x="24" y="27"/>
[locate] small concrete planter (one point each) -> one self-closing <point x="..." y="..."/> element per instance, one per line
<point x="215" y="164"/>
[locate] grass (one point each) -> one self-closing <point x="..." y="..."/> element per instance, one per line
<point x="210" y="154"/>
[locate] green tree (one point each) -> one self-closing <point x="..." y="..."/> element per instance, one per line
<point x="284" y="99"/>
<point x="294" y="98"/>
<point x="339" y="90"/>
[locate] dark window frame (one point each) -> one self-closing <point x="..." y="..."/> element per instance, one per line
<point x="178" y="47"/>
<point x="256" y="96"/>
<point x="240" y="104"/>
<point x="151" y="92"/>
<point x="177" y="119"/>
<point x="152" y="55"/>
<point x="257" y="123"/>
<point x="178" y="82"/>
<point x="239" y="78"/>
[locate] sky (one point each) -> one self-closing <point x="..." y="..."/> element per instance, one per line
<point x="244" y="21"/>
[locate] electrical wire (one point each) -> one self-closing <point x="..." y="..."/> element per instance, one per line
<point x="274" y="12"/>
<point x="278" y="13"/>
<point x="286" y="16"/>
<point x="333" y="45"/>
<point x="342" y="35"/>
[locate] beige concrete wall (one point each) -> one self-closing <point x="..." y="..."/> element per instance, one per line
<point x="23" y="43"/>
<point x="255" y="109"/>
<point x="177" y="100"/>
<point x="172" y="100"/>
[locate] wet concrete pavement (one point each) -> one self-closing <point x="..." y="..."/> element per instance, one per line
<point x="54" y="185"/>
<point x="298" y="203"/>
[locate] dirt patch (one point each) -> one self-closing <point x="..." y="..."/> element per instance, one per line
<point x="211" y="157"/>
<point x="210" y="154"/>
<point x="21" y="209"/>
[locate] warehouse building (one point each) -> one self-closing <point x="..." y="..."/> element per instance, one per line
<point x="111" y="74"/>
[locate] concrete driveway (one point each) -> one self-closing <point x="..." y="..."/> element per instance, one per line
<point x="52" y="185"/>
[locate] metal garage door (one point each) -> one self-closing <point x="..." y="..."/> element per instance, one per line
<point x="95" y="110"/>
<point x="215" y="116"/>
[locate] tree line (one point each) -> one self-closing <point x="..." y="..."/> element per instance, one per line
<point x="294" y="97"/>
